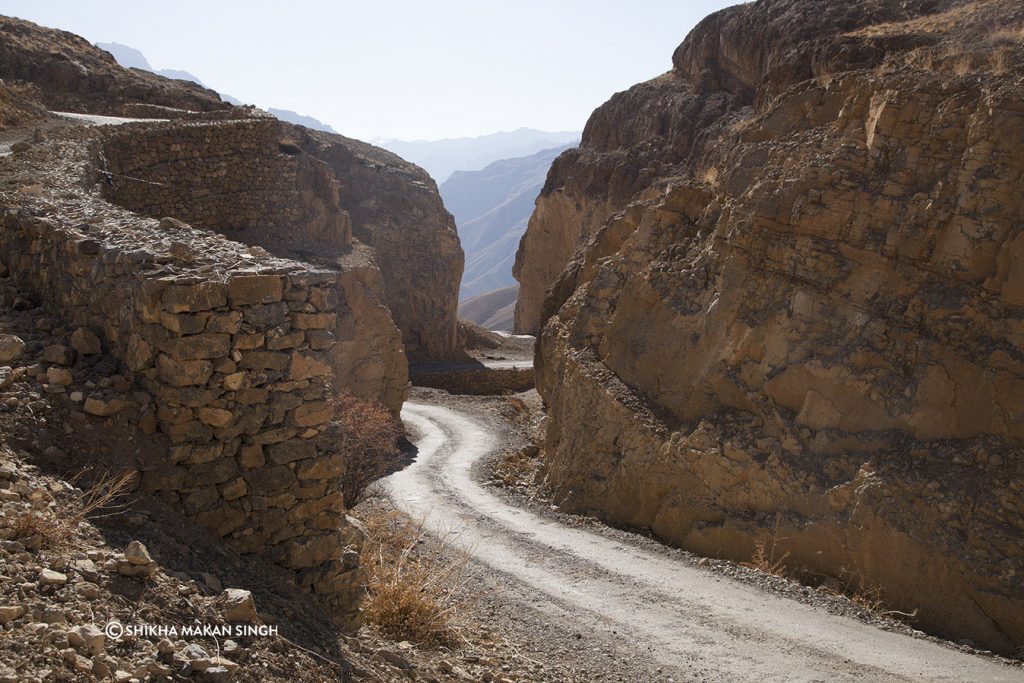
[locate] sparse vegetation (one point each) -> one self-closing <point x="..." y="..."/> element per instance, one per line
<point x="767" y="556"/>
<point x="104" y="497"/>
<point x="367" y="434"/>
<point x="416" y="585"/>
<point x="517" y="468"/>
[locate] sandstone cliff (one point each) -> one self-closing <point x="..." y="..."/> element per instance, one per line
<point x="784" y="301"/>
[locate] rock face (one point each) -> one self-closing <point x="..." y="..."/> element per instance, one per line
<point x="785" y="303"/>
<point x="395" y="209"/>
<point x="72" y="75"/>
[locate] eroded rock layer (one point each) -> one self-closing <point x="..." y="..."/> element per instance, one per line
<point x="785" y="304"/>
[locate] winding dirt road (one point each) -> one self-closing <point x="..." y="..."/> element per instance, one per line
<point x="694" y="623"/>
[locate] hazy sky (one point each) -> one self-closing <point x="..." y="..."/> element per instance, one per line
<point x="410" y="70"/>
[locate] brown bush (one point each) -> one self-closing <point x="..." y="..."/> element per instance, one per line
<point x="417" y="585"/>
<point x="104" y="497"/>
<point x="367" y="434"/>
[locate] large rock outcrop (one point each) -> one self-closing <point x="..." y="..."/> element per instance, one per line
<point x="395" y="209"/>
<point x="784" y="302"/>
<point x="73" y="75"/>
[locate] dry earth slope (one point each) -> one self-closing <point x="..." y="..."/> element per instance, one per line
<point x="780" y="296"/>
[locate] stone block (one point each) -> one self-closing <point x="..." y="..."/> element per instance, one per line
<point x="313" y="414"/>
<point x="244" y="290"/>
<point x="139" y="354"/>
<point x="267" y="315"/>
<point x="227" y="323"/>
<point x="246" y="342"/>
<point x="184" y="323"/>
<point x="215" y="417"/>
<point x="308" y="365"/>
<point x="291" y="450"/>
<point x="265" y="360"/>
<point x="85" y="342"/>
<point x="198" y="347"/>
<point x="58" y="354"/>
<point x="266" y="481"/>
<point x="314" y="321"/>
<point x="324" y="467"/>
<point x="183" y="373"/>
<point x="216" y="472"/>
<point x="192" y="298"/>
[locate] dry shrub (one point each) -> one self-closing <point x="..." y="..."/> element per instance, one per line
<point x="517" y="468"/>
<point x="367" y="434"/>
<point x="868" y="596"/>
<point x="416" y="585"/>
<point x="52" y="531"/>
<point x="102" y="498"/>
<point x="767" y="556"/>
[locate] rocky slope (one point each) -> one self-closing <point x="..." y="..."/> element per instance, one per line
<point x="491" y="209"/>
<point x="73" y="75"/>
<point x="780" y="302"/>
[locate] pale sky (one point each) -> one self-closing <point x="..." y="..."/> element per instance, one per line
<point x="401" y="69"/>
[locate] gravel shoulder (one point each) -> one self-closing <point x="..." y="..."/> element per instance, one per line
<point x="659" y="615"/>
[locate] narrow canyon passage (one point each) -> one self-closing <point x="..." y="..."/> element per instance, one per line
<point x="694" y="623"/>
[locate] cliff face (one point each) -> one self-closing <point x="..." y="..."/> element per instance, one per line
<point x="786" y="303"/>
<point x="395" y="209"/>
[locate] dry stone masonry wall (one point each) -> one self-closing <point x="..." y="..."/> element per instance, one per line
<point x="239" y="178"/>
<point x="239" y="354"/>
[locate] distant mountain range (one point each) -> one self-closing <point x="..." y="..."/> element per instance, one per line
<point x="131" y="58"/>
<point x="491" y="209"/>
<point x="441" y="158"/>
<point x="494" y="310"/>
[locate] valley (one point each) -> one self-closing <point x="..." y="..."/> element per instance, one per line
<point x="727" y="386"/>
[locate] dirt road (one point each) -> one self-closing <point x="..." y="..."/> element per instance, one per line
<point x="696" y="624"/>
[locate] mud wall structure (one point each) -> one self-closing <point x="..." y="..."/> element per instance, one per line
<point x="239" y="352"/>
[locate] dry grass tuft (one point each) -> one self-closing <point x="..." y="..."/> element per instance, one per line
<point x="53" y="532"/>
<point x="416" y="585"/>
<point x="367" y="435"/>
<point x="104" y="497"/>
<point x="868" y="596"/>
<point x="767" y="556"/>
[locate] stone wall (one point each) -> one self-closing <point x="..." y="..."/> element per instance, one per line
<point x="239" y="354"/>
<point x="475" y="381"/>
<point x="240" y="178"/>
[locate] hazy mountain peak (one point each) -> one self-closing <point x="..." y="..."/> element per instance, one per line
<point x="441" y="158"/>
<point x="132" y="58"/>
